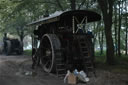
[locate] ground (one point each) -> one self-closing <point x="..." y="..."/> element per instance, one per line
<point x="16" y="70"/>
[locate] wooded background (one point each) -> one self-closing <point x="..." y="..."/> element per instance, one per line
<point x="111" y="33"/>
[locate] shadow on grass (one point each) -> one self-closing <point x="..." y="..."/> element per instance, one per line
<point x="120" y="66"/>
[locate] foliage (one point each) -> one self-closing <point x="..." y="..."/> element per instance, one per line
<point x="15" y="14"/>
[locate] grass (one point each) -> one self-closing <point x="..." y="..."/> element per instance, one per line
<point x="120" y="66"/>
<point x="100" y="58"/>
<point x="28" y="52"/>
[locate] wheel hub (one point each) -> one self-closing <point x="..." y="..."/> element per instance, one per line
<point x="48" y="52"/>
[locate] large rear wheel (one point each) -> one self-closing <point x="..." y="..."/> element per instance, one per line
<point x="50" y="44"/>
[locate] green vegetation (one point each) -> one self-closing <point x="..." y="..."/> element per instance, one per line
<point x="28" y="52"/>
<point x="121" y="65"/>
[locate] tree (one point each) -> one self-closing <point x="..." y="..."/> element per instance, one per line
<point x="120" y="21"/>
<point x="101" y="39"/>
<point x="106" y="7"/>
<point x="73" y="4"/>
<point x="115" y="27"/>
<point x="126" y="23"/>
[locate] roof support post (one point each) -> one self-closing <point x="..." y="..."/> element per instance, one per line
<point x="73" y="24"/>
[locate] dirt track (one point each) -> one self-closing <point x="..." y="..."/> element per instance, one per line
<point x="16" y="70"/>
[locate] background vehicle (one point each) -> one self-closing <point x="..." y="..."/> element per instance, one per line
<point x="11" y="45"/>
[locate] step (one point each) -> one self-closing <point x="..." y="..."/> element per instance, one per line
<point x="87" y="62"/>
<point x="83" y="44"/>
<point x="60" y="69"/>
<point x="59" y="62"/>
<point x="85" y="54"/>
<point x="84" y="49"/>
<point x="89" y="68"/>
<point x="60" y="75"/>
<point x="61" y="72"/>
<point x="86" y="59"/>
<point x="89" y="65"/>
<point x="59" y="59"/>
<point x="59" y="50"/>
<point x="60" y="66"/>
<point x="82" y="40"/>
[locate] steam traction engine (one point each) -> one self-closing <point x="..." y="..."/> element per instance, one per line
<point x="11" y="45"/>
<point x="65" y="44"/>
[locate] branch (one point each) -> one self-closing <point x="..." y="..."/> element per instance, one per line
<point x="82" y="3"/>
<point x="73" y="4"/>
<point x="47" y="2"/>
<point x="111" y="4"/>
<point x="59" y="4"/>
<point x="103" y="6"/>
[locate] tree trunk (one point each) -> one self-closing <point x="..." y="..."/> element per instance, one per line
<point x="119" y="53"/>
<point x="107" y="10"/>
<point x="102" y="40"/>
<point x="100" y="36"/>
<point x="73" y="4"/>
<point x="21" y="36"/>
<point x="32" y="45"/>
<point x="94" y="39"/>
<point x="126" y="38"/>
<point x="21" y="39"/>
<point x="115" y="26"/>
<point x="95" y="33"/>
<point x="109" y="42"/>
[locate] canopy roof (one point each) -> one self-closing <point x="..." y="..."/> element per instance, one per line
<point x="91" y="17"/>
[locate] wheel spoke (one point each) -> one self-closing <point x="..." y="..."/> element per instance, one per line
<point x="48" y="64"/>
